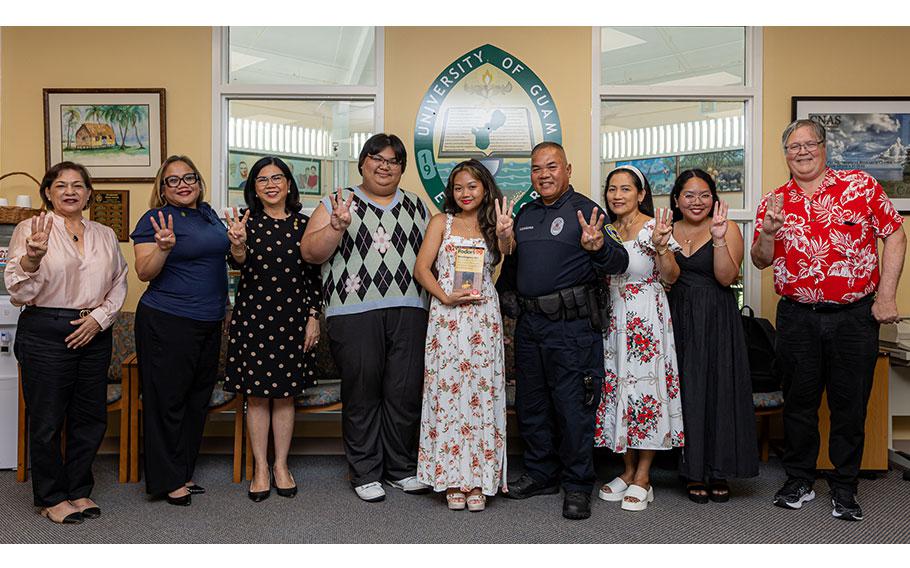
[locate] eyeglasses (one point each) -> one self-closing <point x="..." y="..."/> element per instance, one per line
<point x="810" y="146"/>
<point x="393" y="163"/>
<point x="174" y="181"/>
<point x="276" y="179"/>
<point x="692" y="197"/>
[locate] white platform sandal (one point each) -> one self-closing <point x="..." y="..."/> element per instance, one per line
<point x="617" y="490"/>
<point x="637" y="492"/>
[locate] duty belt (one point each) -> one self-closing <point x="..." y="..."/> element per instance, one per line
<point x="566" y="304"/>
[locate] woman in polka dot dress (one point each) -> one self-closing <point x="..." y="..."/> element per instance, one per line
<point x="275" y="324"/>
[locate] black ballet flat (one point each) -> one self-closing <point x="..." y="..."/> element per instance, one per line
<point x="183" y="501"/>
<point x="91" y="512"/>
<point x="195" y="489"/>
<point x="259" y="496"/>
<point x="288" y="492"/>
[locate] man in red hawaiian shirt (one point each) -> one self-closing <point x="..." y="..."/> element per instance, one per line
<point x="819" y="233"/>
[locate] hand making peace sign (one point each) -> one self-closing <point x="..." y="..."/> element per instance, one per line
<point x="164" y="233"/>
<point x="504" y="220"/>
<point x="719" y="220"/>
<point x="341" y="211"/>
<point x="592" y="235"/>
<point x="236" y="226"/>
<point x="36" y="243"/>
<point x="774" y="215"/>
<point x="663" y="228"/>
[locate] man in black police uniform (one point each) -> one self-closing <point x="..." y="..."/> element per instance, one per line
<point x="560" y="256"/>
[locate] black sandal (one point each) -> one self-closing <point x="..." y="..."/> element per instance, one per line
<point x="720" y="491"/>
<point x="692" y="487"/>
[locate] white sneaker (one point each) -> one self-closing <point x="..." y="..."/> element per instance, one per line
<point x="409" y="485"/>
<point x="371" y="492"/>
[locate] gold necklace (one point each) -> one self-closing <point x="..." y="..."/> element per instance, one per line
<point x="72" y="234"/>
<point x="470" y="230"/>
<point x="624" y="227"/>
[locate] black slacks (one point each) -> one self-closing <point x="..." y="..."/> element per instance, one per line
<point x="552" y="359"/>
<point x="380" y="354"/>
<point x="178" y="366"/>
<point x="60" y="384"/>
<point x="818" y="351"/>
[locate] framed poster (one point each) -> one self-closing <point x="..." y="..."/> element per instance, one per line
<point x="111" y="207"/>
<point x="660" y="173"/>
<point x="866" y="133"/>
<point x="118" y="134"/>
<point x="727" y="167"/>
<point x="307" y="172"/>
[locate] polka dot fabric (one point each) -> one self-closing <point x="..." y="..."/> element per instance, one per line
<point x="276" y="293"/>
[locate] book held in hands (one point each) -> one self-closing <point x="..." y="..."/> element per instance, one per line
<point x="468" y="269"/>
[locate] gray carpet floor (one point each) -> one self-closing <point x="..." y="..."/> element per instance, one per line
<point x="327" y="511"/>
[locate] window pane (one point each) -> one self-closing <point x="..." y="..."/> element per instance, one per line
<point x="689" y="56"/>
<point x="663" y="138"/>
<point x="319" y="140"/>
<point x="302" y="55"/>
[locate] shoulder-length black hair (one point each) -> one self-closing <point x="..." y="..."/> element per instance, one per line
<point x="379" y="142"/>
<point x="681" y="180"/>
<point x="253" y="203"/>
<point x="647" y="204"/>
<point x="486" y="213"/>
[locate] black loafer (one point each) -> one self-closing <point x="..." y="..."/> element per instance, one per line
<point x="91" y="512"/>
<point x="182" y="501"/>
<point x="526" y="486"/>
<point x="195" y="489"/>
<point x="577" y="505"/>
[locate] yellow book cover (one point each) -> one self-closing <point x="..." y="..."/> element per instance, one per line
<point x="468" y="269"/>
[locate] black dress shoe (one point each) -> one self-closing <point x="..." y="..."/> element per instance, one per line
<point x="577" y="505"/>
<point x="288" y="492"/>
<point x="257" y="496"/>
<point x="195" y="489"/>
<point x="526" y="486"/>
<point x="91" y="512"/>
<point x="182" y="501"/>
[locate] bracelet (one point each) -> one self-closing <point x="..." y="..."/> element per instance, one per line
<point x="717" y="246"/>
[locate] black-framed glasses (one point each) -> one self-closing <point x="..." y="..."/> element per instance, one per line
<point x="810" y="146"/>
<point x="174" y="181"/>
<point x="393" y="163"/>
<point x="276" y="179"/>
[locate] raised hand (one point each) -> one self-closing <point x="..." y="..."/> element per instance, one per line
<point x="504" y="220"/>
<point x="164" y="232"/>
<point x="663" y="228"/>
<point x="36" y="243"/>
<point x="341" y="211"/>
<point x="774" y="216"/>
<point x="592" y="235"/>
<point x="87" y="330"/>
<point x="236" y="226"/>
<point x="719" y="220"/>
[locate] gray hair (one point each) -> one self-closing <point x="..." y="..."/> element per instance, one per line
<point x="819" y="129"/>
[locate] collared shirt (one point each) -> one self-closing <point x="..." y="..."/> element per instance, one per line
<point x="826" y="249"/>
<point x="548" y="251"/>
<point x="67" y="279"/>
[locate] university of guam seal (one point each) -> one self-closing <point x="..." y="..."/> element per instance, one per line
<point x="489" y="106"/>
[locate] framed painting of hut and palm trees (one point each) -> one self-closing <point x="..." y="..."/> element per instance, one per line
<point x="118" y="134"/>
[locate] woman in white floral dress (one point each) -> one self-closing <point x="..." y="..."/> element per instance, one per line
<point x="463" y="422"/>
<point x="640" y="409"/>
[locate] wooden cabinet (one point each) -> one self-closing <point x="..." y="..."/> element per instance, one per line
<point x="875" y="452"/>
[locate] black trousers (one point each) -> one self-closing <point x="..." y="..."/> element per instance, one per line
<point x="818" y="351"/>
<point x="552" y="358"/>
<point x="178" y="367"/>
<point x="60" y="384"/>
<point x="380" y="354"/>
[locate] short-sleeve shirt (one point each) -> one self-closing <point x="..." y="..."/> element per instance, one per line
<point x="193" y="281"/>
<point x="826" y="250"/>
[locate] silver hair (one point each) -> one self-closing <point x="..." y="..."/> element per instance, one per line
<point x="819" y="129"/>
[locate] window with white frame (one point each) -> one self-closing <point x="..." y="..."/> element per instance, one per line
<point x="309" y="95"/>
<point x="667" y="99"/>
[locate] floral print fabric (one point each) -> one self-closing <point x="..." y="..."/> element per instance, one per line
<point x="640" y="407"/>
<point x="463" y="421"/>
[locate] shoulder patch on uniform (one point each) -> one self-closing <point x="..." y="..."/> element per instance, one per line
<point x="611" y="232"/>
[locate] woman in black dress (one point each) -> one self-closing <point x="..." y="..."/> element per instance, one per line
<point x="275" y="325"/>
<point x="713" y="363"/>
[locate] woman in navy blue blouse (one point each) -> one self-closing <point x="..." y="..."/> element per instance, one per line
<point x="181" y="246"/>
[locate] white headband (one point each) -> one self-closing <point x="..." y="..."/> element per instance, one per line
<point x="633" y="169"/>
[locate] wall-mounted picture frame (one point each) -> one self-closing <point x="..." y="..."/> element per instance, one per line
<point x="118" y="134"/>
<point x="307" y="172"/>
<point x="111" y="207"/>
<point x="866" y="133"/>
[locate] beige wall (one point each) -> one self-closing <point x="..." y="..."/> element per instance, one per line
<point x="178" y="59"/>
<point x="561" y="57"/>
<point x="857" y="63"/>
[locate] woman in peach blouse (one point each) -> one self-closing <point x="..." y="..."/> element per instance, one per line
<point x="69" y="274"/>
